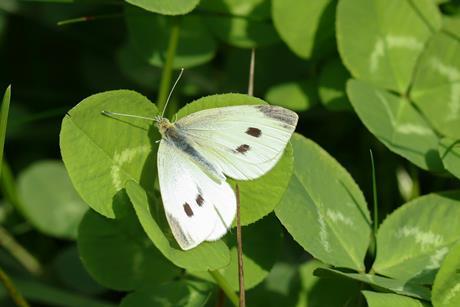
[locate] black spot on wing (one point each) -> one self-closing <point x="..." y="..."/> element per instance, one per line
<point x="281" y="114"/>
<point x="188" y="210"/>
<point x="242" y="148"/>
<point x="255" y="132"/>
<point x="199" y="200"/>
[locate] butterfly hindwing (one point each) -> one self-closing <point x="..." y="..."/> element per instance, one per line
<point x="245" y="141"/>
<point x="197" y="207"/>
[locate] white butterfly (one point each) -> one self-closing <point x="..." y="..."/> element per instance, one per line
<point x="197" y="152"/>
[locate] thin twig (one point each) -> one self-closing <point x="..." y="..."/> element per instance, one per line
<point x="251" y="72"/>
<point x="240" y="250"/>
<point x="29" y="262"/>
<point x="18" y="299"/>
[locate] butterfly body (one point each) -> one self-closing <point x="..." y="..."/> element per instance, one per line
<point x="199" y="151"/>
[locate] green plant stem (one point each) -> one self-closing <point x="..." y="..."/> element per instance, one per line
<point x="374" y="196"/>
<point x="29" y="262"/>
<point x="223" y="284"/>
<point x="88" y="18"/>
<point x="12" y="291"/>
<point x="5" y="108"/>
<point x="168" y="66"/>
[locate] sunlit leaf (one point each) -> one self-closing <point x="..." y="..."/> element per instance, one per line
<point x="166" y="7"/>
<point x="297" y="96"/>
<point x="392" y="34"/>
<point x="323" y="208"/>
<point x="396" y="123"/>
<point x="332" y="81"/>
<point x="413" y="240"/>
<point x="375" y="299"/>
<point x="446" y="287"/>
<point x="449" y="150"/>
<point x="307" y="27"/>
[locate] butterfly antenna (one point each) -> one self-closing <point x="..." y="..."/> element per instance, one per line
<point x="172" y="90"/>
<point x="114" y="114"/>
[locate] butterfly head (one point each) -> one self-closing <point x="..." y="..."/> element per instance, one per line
<point x="162" y="124"/>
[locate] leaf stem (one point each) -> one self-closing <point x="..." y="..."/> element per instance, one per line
<point x="5" y="108"/>
<point x="12" y="291"/>
<point x="168" y="66"/>
<point x="240" y="249"/>
<point x="224" y="285"/>
<point x="251" y="73"/>
<point x="88" y="18"/>
<point x="375" y="202"/>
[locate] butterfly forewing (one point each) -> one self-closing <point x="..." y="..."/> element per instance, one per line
<point x="244" y="141"/>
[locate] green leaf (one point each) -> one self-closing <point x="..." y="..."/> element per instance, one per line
<point x="451" y="25"/>
<point x="446" y="287"/>
<point x="392" y="34"/>
<point x="102" y="153"/>
<point x="396" y="123"/>
<point x="180" y="293"/>
<point x="414" y="239"/>
<point x="49" y="201"/>
<point x="323" y="199"/>
<point x="449" y="150"/>
<point x="436" y="86"/>
<point x="258" y="197"/>
<point x="393" y="285"/>
<point x="375" y="299"/>
<point x="4" y="111"/>
<point x="166" y="7"/>
<point x="332" y="82"/>
<point x="206" y="256"/>
<point x="297" y="95"/>
<point x="118" y="254"/>
<point x="149" y="36"/>
<point x="307" y="27"/>
<point x="259" y="254"/>
<point x="241" y="23"/>
<point x="70" y="271"/>
<point x="315" y="292"/>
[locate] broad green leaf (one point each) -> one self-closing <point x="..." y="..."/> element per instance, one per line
<point x="118" y="254"/>
<point x="241" y="23"/>
<point x="258" y="197"/>
<point x="392" y="34"/>
<point x="396" y="123"/>
<point x="375" y="299"/>
<point x="206" y="256"/>
<point x="436" y="86"/>
<point x="180" y="293"/>
<point x="323" y="208"/>
<point x="4" y="111"/>
<point x="393" y="285"/>
<point x="449" y="150"/>
<point x="259" y="254"/>
<point x="70" y="271"/>
<point x="42" y="294"/>
<point x="307" y="27"/>
<point x="316" y="292"/>
<point x="166" y="7"/>
<point x="49" y="201"/>
<point x="332" y="81"/>
<point x="413" y="240"/>
<point x="297" y="95"/>
<point x="149" y="36"/>
<point x="102" y="153"/>
<point x="451" y="25"/>
<point x="446" y="287"/>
